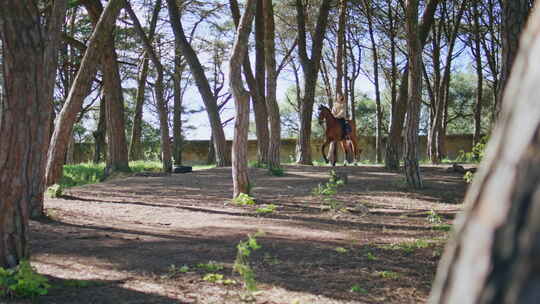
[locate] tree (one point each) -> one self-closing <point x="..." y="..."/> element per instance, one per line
<point x="310" y="69"/>
<point x="241" y="101"/>
<point x="218" y="136"/>
<point x="414" y="49"/>
<point x="135" y="147"/>
<point x="492" y="256"/>
<point x="393" y="152"/>
<point x="271" y="86"/>
<point x="30" y="48"/>
<point x="117" y="149"/>
<point x="78" y="91"/>
<point x="158" y="88"/>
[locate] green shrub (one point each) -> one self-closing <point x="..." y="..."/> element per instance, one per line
<point x="55" y="190"/>
<point x="276" y="171"/>
<point x="23" y="282"/>
<point x="243" y="200"/>
<point x="241" y="264"/>
<point x="270" y="208"/>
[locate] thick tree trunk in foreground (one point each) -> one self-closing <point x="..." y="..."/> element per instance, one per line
<point x="241" y="101"/>
<point x="493" y="256"/>
<point x="78" y="91"/>
<point x="412" y="169"/>
<point x="220" y="145"/>
<point x="29" y="69"/>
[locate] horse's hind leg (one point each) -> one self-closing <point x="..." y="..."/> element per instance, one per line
<point x="334" y="153"/>
<point x="346" y="152"/>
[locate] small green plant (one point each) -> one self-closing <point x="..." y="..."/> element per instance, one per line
<point x="55" y="190"/>
<point x="468" y="177"/>
<point x="211" y="266"/>
<point x="241" y="264"/>
<point x="330" y="188"/>
<point x="433" y="217"/>
<point x="386" y="274"/>
<point x="218" y="278"/>
<point x="341" y="250"/>
<point x="243" y="200"/>
<point x="276" y="171"/>
<point x="357" y="289"/>
<point x="271" y="260"/>
<point x="442" y="227"/>
<point x="23" y="282"/>
<point x="370" y="256"/>
<point x="407" y="247"/>
<point x="270" y="208"/>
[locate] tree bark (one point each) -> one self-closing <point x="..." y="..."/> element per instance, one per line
<point x="310" y="69"/>
<point x="117" y="150"/>
<point x="166" y="150"/>
<point x="241" y="101"/>
<point x="492" y="257"/>
<point x="514" y="18"/>
<point x="477" y="52"/>
<point x="136" y="148"/>
<point x="340" y="51"/>
<point x="411" y="167"/>
<point x="220" y="145"/>
<point x="271" y="86"/>
<point x="29" y="69"/>
<point x="393" y="151"/>
<point x="99" y="134"/>
<point x="260" y="105"/>
<point x="177" y="109"/>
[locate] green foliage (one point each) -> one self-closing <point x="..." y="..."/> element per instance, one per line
<point x="468" y="177"/>
<point x="218" y="278"/>
<point x="211" y="266"/>
<point x="386" y="274"/>
<point x="407" y="247"/>
<point x="341" y="250"/>
<point x="442" y="227"/>
<point x="328" y="190"/>
<point x="357" y="289"/>
<point x="55" y="190"/>
<point x="276" y="171"/>
<point x="433" y="217"/>
<point x="23" y="282"/>
<point x="241" y="264"/>
<point x="370" y="256"/>
<point x="270" y="208"/>
<point x="145" y="166"/>
<point x="243" y="200"/>
<point x="82" y="174"/>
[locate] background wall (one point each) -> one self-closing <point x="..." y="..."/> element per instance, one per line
<point x="196" y="151"/>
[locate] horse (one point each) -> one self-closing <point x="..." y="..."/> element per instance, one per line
<point x="334" y="134"/>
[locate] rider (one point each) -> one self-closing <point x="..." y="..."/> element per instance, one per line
<point x="338" y="110"/>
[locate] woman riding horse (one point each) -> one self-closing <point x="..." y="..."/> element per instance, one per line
<point x="335" y="133"/>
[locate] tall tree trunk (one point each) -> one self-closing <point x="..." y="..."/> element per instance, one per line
<point x="271" y="86"/>
<point x="393" y="151"/>
<point x="493" y="255"/>
<point x="514" y="18"/>
<point x="257" y="97"/>
<point x="117" y="150"/>
<point x="166" y="152"/>
<point x="378" y="129"/>
<point x="340" y="51"/>
<point x="477" y="52"/>
<point x="220" y="145"/>
<point x="310" y="68"/>
<point x="260" y="105"/>
<point x="241" y="101"/>
<point x="79" y="90"/>
<point x="99" y="134"/>
<point x="136" y="148"/>
<point x="177" y="109"/>
<point x="30" y="52"/>
<point x="411" y="167"/>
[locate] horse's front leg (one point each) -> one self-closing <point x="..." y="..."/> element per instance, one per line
<point x="333" y="148"/>
<point x="346" y="152"/>
<point x="322" y="151"/>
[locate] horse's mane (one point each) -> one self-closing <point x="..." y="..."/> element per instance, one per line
<point x="323" y="107"/>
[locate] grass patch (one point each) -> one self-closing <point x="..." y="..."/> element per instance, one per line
<point x="407" y="247"/>
<point x="442" y="227"/>
<point x="386" y="274"/>
<point x="211" y="266"/>
<point x="357" y="289"/>
<point x="270" y="208"/>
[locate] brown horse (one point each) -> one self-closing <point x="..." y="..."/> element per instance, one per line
<point x="334" y="134"/>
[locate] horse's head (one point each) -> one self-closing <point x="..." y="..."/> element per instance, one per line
<point x="322" y="113"/>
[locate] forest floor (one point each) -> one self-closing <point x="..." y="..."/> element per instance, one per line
<point x="155" y="239"/>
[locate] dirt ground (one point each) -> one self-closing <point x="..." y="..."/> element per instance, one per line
<point x="127" y="240"/>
